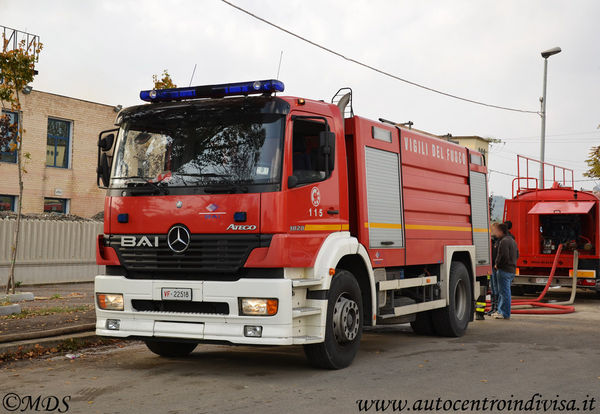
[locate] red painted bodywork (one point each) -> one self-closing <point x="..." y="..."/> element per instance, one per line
<point x="526" y="226"/>
<point x="435" y="193"/>
<point x="561" y="198"/>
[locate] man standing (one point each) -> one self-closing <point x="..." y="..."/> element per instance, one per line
<point x="505" y="265"/>
<point x="493" y="277"/>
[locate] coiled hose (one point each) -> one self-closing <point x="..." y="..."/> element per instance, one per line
<point x="531" y="306"/>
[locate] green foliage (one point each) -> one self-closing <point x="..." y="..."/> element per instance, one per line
<point x="17" y="69"/>
<point x="165" y="82"/>
<point x="593" y="163"/>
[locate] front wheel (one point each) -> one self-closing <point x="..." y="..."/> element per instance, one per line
<point x="344" y="325"/>
<point x="170" y="349"/>
<point x="423" y="324"/>
<point x="454" y="318"/>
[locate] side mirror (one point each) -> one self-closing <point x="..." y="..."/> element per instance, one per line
<point x="327" y="149"/>
<point x="106" y="142"/>
<point x="292" y="181"/>
<point x="104" y="170"/>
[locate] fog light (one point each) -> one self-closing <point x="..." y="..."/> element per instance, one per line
<point x="253" y="331"/>
<point x="110" y="301"/>
<point x="113" y="324"/>
<point x="258" y="307"/>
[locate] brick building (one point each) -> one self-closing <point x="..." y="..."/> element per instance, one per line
<point x="61" y="135"/>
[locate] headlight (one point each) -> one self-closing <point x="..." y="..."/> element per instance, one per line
<point x="110" y="301"/>
<point x="259" y="307"/>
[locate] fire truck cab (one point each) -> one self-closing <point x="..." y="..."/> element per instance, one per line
<point x="234" y="215"/>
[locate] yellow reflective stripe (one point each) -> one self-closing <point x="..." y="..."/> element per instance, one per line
<point x="383" y="225"/>
<point x="484" y="230"/>
<point x="443" y="228"/>
<point x="326" y="227"/>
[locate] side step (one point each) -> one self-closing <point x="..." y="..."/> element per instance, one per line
<point x="395" y="284"/>
<point x="306" y="339"/>
<point x="414" y="308"/>
<point x="305" y="311"/>
<point x="306" y="282"/>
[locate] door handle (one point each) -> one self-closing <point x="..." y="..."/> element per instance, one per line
<point x="333" y="211"/>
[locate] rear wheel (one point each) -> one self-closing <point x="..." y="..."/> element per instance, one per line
<point x="170" y="349"/>
<point x="343" y="326"/>
<point x="454" y="318"/>
<point x="423" y="324"/>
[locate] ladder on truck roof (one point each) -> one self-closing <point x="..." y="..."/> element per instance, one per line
<point x="343" y="100"/>
<point x="527" y="181"/>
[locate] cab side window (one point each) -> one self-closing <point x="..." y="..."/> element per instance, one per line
<point x="308" y="164"/>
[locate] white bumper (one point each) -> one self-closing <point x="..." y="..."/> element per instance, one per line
<point x="276" y="330"/>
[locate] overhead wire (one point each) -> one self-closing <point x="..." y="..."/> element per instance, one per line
<point x="370" y="67"/>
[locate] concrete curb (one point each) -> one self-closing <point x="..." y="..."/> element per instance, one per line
<point x="48" y="333"/>
<point x="16" y="297"/>
<point x="10" y="309"/>
<point x="31" y="344"/>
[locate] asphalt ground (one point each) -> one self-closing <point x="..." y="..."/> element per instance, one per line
<point x="551" y="361"/>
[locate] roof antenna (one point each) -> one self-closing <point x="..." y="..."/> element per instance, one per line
<point x="193" y="73"/>
<point x="279" y="67"/>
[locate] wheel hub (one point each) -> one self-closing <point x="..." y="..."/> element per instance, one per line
<point x="346" y="320"/>
<point x="460" y="300"/>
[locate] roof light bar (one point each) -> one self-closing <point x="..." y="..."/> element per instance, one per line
<point x="213" y="91"/>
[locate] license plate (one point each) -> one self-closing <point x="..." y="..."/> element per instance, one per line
<point x="176" y="294"/>
<point x="541" y="280"/>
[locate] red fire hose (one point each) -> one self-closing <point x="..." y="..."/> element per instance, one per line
<point x="550" y="308"/>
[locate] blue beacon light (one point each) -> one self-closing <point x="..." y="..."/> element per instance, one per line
<point x="213" y="91"/>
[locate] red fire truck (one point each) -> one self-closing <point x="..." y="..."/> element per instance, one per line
<point x="234" y="215"/>
<point x="544" y="218"/>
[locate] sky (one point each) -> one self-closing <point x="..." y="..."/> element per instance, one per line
<point x="107" y="51"/>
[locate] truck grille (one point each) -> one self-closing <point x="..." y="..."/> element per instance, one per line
<point x="217" y="308"/>
<point x="208" y="256"/>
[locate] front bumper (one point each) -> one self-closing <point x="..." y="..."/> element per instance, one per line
<point x="276" y="329"/>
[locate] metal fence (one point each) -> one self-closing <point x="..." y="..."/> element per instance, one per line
<point x="50" y="251"/>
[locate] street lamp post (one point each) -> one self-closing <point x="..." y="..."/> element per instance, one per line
<point x="545" y="54"/>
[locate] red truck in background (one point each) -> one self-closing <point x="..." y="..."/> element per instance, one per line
<point x="544" y="218"/>
<point x="234" y="215"/>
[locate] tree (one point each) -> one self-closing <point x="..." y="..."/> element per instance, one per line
<point x="17" y="69"/>
<point x="165" y="82"/>
<point x="593" y="163"/>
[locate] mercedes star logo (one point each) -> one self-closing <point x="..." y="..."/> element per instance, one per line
<point x="178" y="239"/>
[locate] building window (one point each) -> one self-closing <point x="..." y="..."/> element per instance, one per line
<point x="6" y="155"/>
<point x="7" y="202"/>
<point x="58" y="143"/>
<point x="56" y="205"/>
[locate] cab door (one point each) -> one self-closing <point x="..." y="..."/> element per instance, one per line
<point x="316" y="199"/>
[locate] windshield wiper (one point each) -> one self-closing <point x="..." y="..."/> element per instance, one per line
<point x="202" y="175"/>
<point x="229" y="188"/>
<point x="155" y="186"/>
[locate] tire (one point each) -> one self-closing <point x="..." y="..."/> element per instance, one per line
<point x="453" y="319"/>
<point x="344" y="325"/>
<point x="423" y="324"/>
<point x="170" y="349"/>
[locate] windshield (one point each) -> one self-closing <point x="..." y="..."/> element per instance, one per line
<point x="190" y="146"/>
